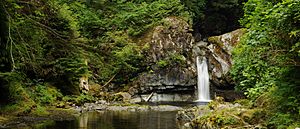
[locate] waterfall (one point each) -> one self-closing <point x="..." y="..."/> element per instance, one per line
<point x="203" y="80"/>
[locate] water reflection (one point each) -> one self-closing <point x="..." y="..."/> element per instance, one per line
<point x="120" y="120"/>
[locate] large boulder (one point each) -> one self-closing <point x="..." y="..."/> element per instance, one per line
<point x="169" y="60"/>
<point x="220" y="57"/>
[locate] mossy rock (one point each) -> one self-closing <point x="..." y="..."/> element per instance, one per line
<point x="216" y="40"/>
<point x="121" y="96"/>
<point x="253" y="116"/>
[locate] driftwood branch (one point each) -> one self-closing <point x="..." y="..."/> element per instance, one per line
<point x="149" y="97"/>
<point x="109" y="80"/>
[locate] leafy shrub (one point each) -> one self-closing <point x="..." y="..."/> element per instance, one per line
<point x="46" y="94"/>
<point x="280" y="121"/>
<point x="80" y="99"/>
<point x="264" y="62"/>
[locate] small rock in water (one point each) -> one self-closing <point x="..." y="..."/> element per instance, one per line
<point x="187" y="126"/>
<point x="100" y="107"/>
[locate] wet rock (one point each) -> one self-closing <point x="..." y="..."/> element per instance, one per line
<point x="167" y="97"/>
<point x="136" y="100"/>
<point x="165" y="108"/>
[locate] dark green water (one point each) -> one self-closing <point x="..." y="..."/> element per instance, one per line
<point x="118" y="120"/>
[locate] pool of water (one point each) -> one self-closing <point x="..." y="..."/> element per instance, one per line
<point x="119" y="120"/>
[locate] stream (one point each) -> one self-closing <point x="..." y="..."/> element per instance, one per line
<point x="95" y="116"/>
<point x="117" y="120"/>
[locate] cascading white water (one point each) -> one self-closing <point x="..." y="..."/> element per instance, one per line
<point x="203" y="80"/>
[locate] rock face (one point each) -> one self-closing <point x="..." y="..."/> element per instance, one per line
<point x="171" y="58"/>
<point x="219" y="56"/>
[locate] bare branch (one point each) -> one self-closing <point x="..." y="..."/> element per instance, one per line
<point x="10" y="39"/>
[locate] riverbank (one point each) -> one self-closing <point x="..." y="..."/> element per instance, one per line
<point x="240" y="114"/>
<point x="32" y="120"/>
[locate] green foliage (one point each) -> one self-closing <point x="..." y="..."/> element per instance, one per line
<point x="80" y="99"/>
<point x="112" y="26"/>
<point x="137" y="18"/>
<point x="19" y="99"/>
<point x="264" y="51"/>
<point x="280" y="121"/>
<point x="69" y="70"/>
<point x="132" y="17"/>
<point x="177" y="59"/>
<point x="12" y="83"/>
<point x="59" y="41"/>
<point x="173" y="59"/>
<point x="196" y="7"/>
<point x="162" y="63"/>
<point x="45" y="94"/>
<point x="43" y="43"/>
<point x="266" y="61"/>
<point x="245" y="102"/>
